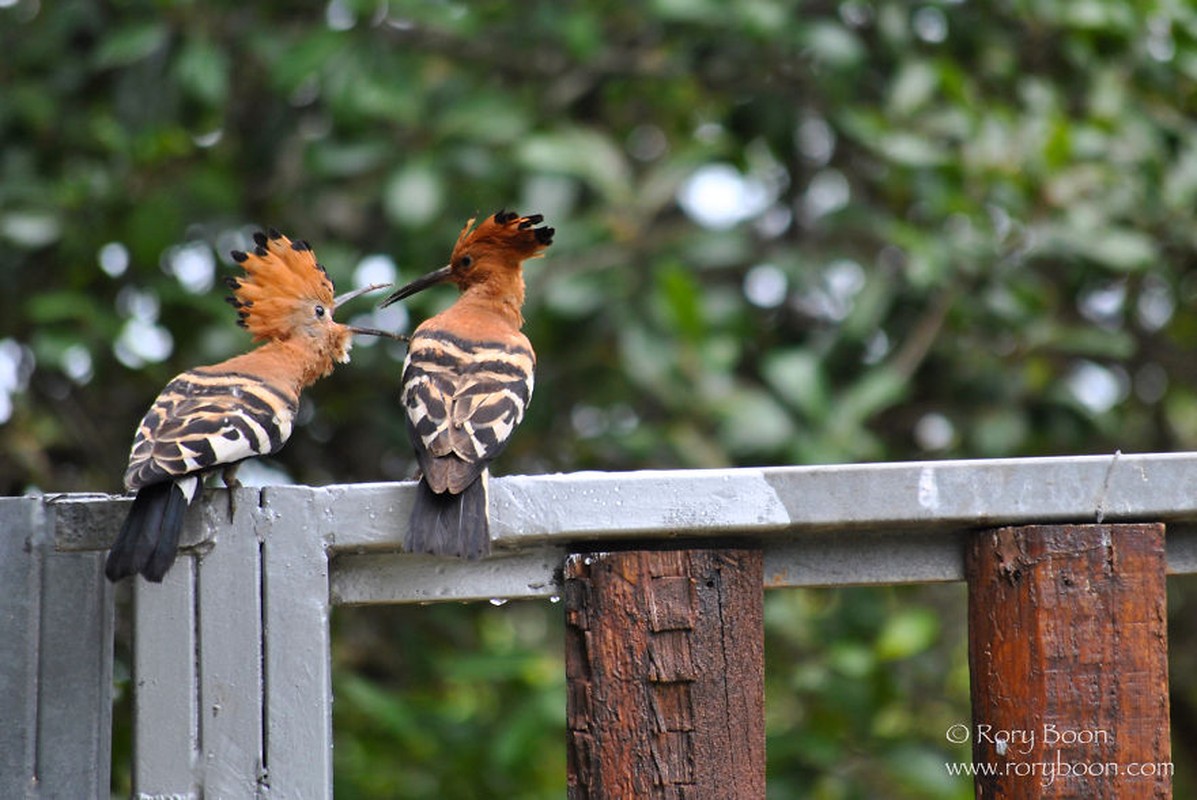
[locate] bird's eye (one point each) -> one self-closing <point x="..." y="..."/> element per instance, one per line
<point x="466" y="261"/>
<point x="319" y="312"/>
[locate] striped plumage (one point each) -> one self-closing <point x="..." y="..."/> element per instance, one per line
<point x="467" y="380"/>
<point x="212" y="418"/>
<point x="209" y="416"/>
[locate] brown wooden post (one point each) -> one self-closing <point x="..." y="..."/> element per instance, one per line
<point x="665" y="669"/>
<point x="1068" y="650"/>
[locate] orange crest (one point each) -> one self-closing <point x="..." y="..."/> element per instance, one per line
<point x="505" y="234"/>
<point x="281" y="276"/>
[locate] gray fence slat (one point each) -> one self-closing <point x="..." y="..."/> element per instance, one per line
<point x="818" y="560"/>
<point x="772" y="503"/>
<point x="298" y="669"/>
<point x="859" y="558"/>
<point x="379" y="578"/>
<point x="165" y="695"/>
<point x="90" y="521"/>
<point x="56" y="616"/>
<point x="75" y="687"/>
<point x="21" y="528"/>
<point x="230" y="651"/>
<point x="820" y="525"/>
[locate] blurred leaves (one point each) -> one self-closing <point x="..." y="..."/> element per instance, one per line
<point x="494" y="702"/>
<point x="131" y="43"/>
<point x="869" y="230"/>
<point x="203" y="71"/>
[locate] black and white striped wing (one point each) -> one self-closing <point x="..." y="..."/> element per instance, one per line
<point x="205" y="419"/>
<point x="463" y="400"/>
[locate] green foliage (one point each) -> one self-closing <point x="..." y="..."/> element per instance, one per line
<point x="841" y="669"/>
<point x="787" y="233"/>
<point x="491" y="707"/>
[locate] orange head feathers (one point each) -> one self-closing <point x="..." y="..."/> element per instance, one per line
<point x="284" y="291"/>
<point x="506" y="238"/>
<point x="287" y="296"/>
<point x="489" y="253"/>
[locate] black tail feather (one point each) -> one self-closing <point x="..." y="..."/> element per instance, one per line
<point x="149" y="539"/>
<point x="450" y="524"/>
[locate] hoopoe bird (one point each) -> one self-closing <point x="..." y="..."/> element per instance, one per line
<point x="467" y="380"/>
<point x="212" y="418"/>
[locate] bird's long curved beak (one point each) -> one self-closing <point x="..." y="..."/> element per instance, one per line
<point x="368" y="331"/>
<point x="374" y="287"/>
<point x="418" y="285"/>
<point x="398" y="337"/>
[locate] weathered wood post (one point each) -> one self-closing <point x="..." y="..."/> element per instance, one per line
<point x="665" y="671"/>
<point x="1069" y="660"/>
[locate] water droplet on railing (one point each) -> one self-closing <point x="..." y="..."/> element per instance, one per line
<point x="498" y="601"/>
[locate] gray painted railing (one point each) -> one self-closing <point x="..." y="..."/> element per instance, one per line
<point x="231" y="651"/>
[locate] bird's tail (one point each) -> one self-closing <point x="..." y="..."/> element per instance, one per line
<point x="450" y="524"/>
<point x="149" y="539"/>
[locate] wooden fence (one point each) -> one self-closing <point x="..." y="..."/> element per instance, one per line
<point x="1065" y="560"/>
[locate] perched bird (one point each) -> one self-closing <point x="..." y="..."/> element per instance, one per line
<point x="467" y="380"/>
<point x="212" y="418"/>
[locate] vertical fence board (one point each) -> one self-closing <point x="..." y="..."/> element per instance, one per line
<point x="230" y="651"/>
<point x="1069" y="661"/>
<point x="165" y="695"/>
<point x="298" y="669"/>
<point x="665" y="674"/>
<point x="75" y="677"/>
<point x="21" y="523"/>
